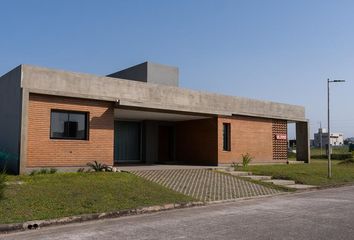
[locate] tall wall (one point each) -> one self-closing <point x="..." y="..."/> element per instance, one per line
<point x="10" y="118"/>
<point x="280" y="145"/>
<point x="45" y="152"/>
<point x="196" y="142"/>
<point x="248" y="135"/>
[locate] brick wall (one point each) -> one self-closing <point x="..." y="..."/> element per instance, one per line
<point x="45" y="152"/>
<point x="196" y="142"/>
<point x="280" y="146"/>
<point x="248" y="135"/>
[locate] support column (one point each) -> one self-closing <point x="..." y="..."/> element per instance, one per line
<point x="302" y="142"/>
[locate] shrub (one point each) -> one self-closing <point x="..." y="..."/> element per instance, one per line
<point x="98" y="167"/>
<point x="2" y="184"/>
<point x="43" y="171"/>
<point x="235" y="165"/>
<point x="53" y="170"/>
<point x="246" y="159"/>
<point x="80" y="170"/>
<point x="334" y="156"/>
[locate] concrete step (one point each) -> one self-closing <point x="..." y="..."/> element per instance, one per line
<point x="257" y="177"/>
<point x="296" y="162"/>
<point x="300" y="186"/>
<point x="240" y="173"/>
<point x="225" y="169"/>
<point x="280" y="182"/>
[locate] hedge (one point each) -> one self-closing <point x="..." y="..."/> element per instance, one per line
<point x="334" y="156"/>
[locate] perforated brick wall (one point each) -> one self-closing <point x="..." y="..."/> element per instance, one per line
<point x="279" y="128"/>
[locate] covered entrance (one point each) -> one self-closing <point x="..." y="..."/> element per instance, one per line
<point x="149" y="137"/>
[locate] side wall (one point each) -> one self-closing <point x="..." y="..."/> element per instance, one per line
<point x="45" y="152"/>
<point x="10" y="119"/>
<point x="196" y="142"/>
<point x="248" y="135"/>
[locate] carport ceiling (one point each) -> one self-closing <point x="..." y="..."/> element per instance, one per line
<point x="125" y="114"/>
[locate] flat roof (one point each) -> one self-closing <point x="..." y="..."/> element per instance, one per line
<point x="151" y="96"/>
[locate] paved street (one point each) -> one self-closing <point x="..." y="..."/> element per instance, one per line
<point x="325" y="214"/>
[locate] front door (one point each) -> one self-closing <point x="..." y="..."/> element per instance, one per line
<point x="127" y="142"/>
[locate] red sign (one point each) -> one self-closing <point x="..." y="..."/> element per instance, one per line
<point x="280" y="136"/>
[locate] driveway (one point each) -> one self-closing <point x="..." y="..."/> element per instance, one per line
<point x="325" y="214"/>
<point x="204" y="184"/>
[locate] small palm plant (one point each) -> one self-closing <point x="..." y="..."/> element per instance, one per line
<point x="97" y="167"/>
<point x="246" y="159"/>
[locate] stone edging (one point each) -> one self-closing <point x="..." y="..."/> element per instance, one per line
<point x="32" y="225"/>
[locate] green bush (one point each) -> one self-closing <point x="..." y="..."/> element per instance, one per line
<point x="43" y="171"/>
<point x="246" y="159"/>
<point x="97" y="167"/>
<point x="235" y="165"/>
<point x="2" y="184"/>
<point x="334" y="156"/>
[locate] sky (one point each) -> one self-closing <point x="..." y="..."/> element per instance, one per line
<point x="276" y="50"/>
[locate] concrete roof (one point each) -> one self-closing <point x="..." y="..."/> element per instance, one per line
<point x="153" y="96"/>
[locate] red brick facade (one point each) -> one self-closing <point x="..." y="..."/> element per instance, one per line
<point x="196" y="141"/>
<point x="45" y="152"/>
<point x="248" y="135"/>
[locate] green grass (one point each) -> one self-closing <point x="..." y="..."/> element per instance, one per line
<point x="66" y="194"/>
<point x="314" y="173"/>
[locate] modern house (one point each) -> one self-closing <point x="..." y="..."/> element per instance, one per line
<point x="139" y="115"/>
<point x="321" y="138"/>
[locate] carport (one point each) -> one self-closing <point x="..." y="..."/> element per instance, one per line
<point x="144" y="136"/>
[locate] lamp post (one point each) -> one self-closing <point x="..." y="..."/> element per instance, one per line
<point x="329" y="129"/>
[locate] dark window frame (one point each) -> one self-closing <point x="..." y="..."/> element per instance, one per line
<point x="87" y="125"/>
<point x="226" y="140"/>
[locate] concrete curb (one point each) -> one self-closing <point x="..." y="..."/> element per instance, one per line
<point x="36" y="224"/>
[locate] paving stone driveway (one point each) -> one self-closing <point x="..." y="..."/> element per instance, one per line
<point x="204" y="184"/>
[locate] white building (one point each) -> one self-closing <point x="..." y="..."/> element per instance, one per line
<point x="321" y="138"/>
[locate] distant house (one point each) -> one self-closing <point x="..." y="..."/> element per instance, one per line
<point x="321" y="138"/>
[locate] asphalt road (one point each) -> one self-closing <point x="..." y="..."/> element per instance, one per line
<point x="325" y="214"/>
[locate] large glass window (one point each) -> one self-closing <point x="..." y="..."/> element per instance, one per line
<point x="226" y="132"/>
<point x="68" y="125"/>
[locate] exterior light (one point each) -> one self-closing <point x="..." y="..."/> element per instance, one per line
<point x="329" y="129"/>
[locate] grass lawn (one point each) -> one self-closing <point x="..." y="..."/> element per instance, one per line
<point x="66" y="194"/>
<point x="314" y="173"/>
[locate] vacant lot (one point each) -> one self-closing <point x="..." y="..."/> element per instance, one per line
<point x="65" y="194"/>
<point x="313" y="174"/>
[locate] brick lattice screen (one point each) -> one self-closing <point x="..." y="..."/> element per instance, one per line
<point x="280" y="145"/>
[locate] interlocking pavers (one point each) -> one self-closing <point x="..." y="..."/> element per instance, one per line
<point x="205" y="185"/>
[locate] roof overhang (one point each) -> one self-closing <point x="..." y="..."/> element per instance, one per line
<point x="151" y="96"/>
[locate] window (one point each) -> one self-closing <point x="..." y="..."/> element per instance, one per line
<point x="68" y="125"/>
<point x="226" y="132"/>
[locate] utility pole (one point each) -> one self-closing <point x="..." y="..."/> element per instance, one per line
<point x="329" y="127"/>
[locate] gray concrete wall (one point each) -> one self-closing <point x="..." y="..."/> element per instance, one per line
<point x="150" y="73"/>
<point x="302" y="142"/>
<point x="162" y="74"/>
<point x="153" y="96"/>
<point x="150" y="142"/>
<point x="136" y="73"/>
<point x="10" y="118"/>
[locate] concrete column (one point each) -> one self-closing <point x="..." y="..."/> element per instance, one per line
<point x="302" y="142"/>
